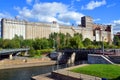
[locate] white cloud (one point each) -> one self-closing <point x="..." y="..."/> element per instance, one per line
<point x="29" y="1"/>
<point x="73" y="4"/>
<point x="26" y="12"/>
<point x="111" y="5"/>
<point x="5" y="15"/>
<point x="68" y="16"/>
<point x="93" y="4"/>
<point x="98" y="19"/>
<point x="2" y="15"/>
<point x="48" y="12"/>
<point x="116" y="26"/>
<point x="49" y="8"/>
<point x="116" y="21"/>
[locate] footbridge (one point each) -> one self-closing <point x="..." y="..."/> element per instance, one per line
<point x="12" y="52"/>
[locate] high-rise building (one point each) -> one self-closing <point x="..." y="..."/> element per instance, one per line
<point x="86" y="21"/>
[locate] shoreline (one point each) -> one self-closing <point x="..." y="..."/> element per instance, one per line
<point x="27" y="65"/>
<point x="12" y="64"/>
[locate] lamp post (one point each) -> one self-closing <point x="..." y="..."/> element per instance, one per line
<point x="103" y="44"/>
<point x="101" y="31"/>
<point x="53" y="43"/>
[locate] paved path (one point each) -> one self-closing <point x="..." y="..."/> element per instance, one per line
<point x="27" y="65"/>
<point x="30" y="62"/>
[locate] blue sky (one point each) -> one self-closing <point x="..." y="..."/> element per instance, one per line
<point x="63" y="11"/>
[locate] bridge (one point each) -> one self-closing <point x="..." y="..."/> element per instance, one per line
<point x="82" y="54"/>
<point x="12" y="52"/>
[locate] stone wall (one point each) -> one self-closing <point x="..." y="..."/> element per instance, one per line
<point x="115" y="59"/>
<point x="63" y="77"/>
<point x="98" y="59"/>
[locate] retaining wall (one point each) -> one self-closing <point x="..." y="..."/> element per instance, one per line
<point x="98" y="59"/>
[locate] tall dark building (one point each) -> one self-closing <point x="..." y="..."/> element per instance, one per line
<point x="87" y="21"/>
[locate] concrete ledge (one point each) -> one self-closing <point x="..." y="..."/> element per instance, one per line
<point x="42" y="77"/>
<point x="98" y="59"/>
<point x="65" y="74"/>
<point x="59" y="76"/>
<point x="27" y="65"/>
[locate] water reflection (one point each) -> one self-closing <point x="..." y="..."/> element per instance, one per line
<point x="26" y="73"/>
<point x="23" y="73"/>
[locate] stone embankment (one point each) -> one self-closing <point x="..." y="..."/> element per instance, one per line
<point x="65" y="74"/>
<point x="28" y="62"/>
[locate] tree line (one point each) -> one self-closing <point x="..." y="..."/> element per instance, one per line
<point x="56" y="41"/>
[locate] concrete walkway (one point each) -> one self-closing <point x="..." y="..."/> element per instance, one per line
<point x="27" y="65"/>
<point x="8" y="64"/>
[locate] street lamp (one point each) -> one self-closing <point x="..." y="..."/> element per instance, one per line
<point x="53" y="43"/>
<point x="103" y="44"/>
<point x="101" y="30"/>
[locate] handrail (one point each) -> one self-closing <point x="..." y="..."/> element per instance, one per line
<point x="9" y="51"/>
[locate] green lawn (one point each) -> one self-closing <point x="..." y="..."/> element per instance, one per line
<point x="109" y="71"/>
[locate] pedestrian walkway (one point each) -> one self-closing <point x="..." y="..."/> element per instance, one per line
<point x="8" y="64"/>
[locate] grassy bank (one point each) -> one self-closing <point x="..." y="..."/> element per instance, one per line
<point x="111" y="72"/>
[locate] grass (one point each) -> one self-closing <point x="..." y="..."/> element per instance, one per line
<point x="108" y="71"/>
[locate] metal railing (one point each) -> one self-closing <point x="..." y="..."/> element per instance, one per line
<point x="9" y="51"/>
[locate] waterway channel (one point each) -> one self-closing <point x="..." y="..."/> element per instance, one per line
<point x="26" y="73"/>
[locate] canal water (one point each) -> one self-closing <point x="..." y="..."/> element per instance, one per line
<point x="26" y="73"/>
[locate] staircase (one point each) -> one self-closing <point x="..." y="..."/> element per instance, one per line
<point x="107" y="59"/>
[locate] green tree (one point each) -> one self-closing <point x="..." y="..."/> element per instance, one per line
<point x="53" y="37"/>
<point x="1" y="42"/>
<point x="60" y="40"/>
<point x="37" y="44"/>
<point x="27" y="43"/>
<point x="87" y="42"/>
<point x="116" y="41"/>
<point x="14" y="44"/>
<point x="45" y="43"/>
<point x="67" y="40"/>
<point x="6" y="43"/>
<point x="80" y="36"/>
<point x="19" y="39"/>
<point x="40" y="44"/>
<point x="76" y="41"/>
